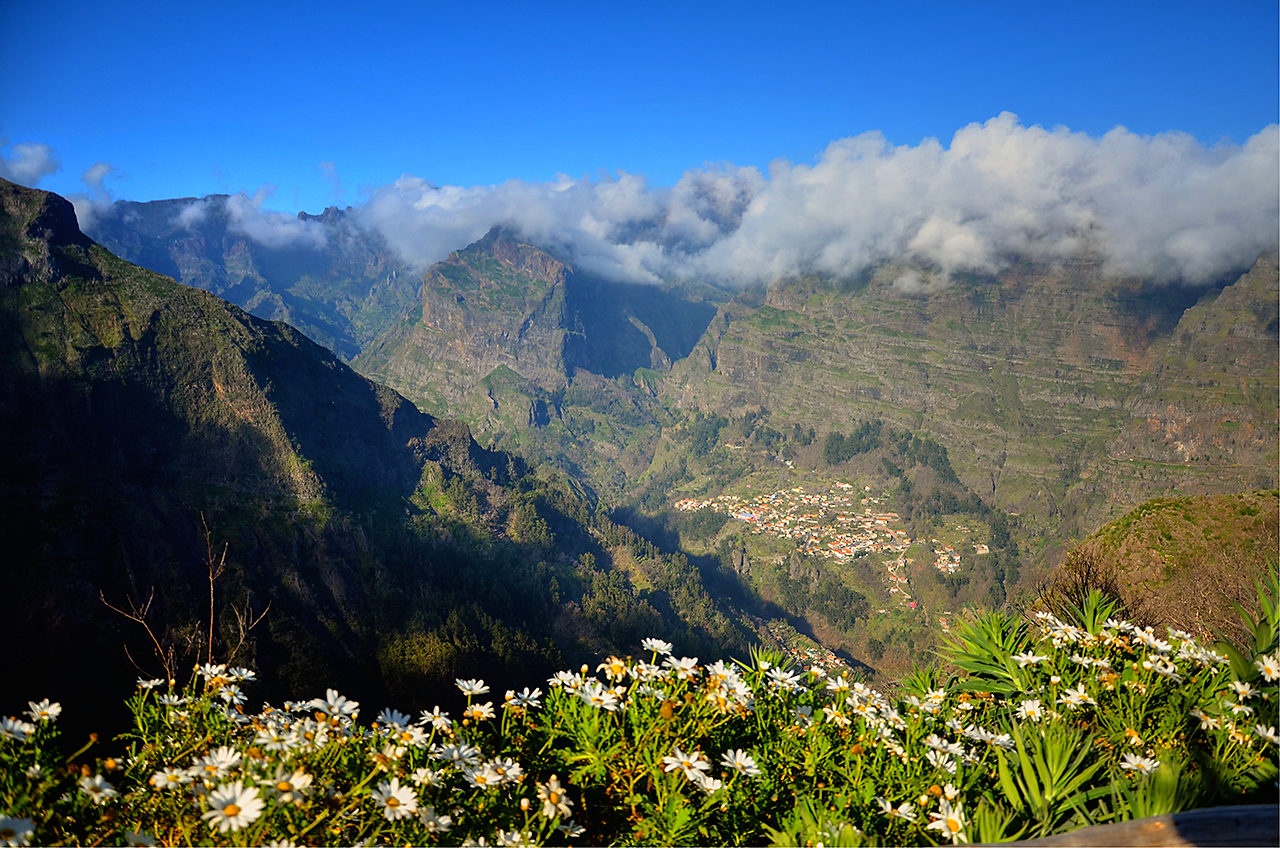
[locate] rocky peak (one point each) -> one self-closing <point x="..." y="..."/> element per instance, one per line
<point x="331" y="216"/>
<point x="522" y="258"/>
<point x="40" y="235"/>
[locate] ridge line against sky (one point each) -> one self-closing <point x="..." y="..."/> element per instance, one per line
<point x="293" y="107"/>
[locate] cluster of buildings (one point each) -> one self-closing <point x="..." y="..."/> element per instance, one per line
<point x="945" y="558"/>
<point x="806" y="654"/>
<point x="805" y="518"/>
<point x="899" y="588"/>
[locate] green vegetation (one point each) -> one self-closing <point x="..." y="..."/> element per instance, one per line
<point x="1078" y="722"/>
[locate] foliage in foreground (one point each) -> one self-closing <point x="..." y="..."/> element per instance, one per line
<point x="1055" y="726"/>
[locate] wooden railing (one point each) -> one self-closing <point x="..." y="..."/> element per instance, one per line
<point x="1246" y="826"/>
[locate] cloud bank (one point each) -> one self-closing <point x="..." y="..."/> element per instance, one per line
<point x="27" y="163"/>
<point x="98" y="201"/>
<point x="246" y="216"/>
<point x="1163" y="207"/>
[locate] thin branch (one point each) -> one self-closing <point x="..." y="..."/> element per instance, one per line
<point x="244" y="631"/>
<point x="140" y="616"/>
<point x="214" y="574"/>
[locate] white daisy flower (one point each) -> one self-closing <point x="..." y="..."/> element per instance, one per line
<point x="740" y="761"/>
<point x="484" y="776"/>
<point x="902" y="811"/>
<point x="1207" y="722"/>
<point x="709" y="784"/>
<point x="97" y="788"/>
<point x="479" y="712"/>
<point x="472" y="687"/>
<point x="435" y="823"/>
<point x="44" y="711"/>
<point x="597" y="696"/>
<point x="688" y="764"/>
<point x="288" y="787"/>
<point x="525" y="699"/>
<point x="233" y="806"/>
<point x="393" y="719"/>
<point x="1130" y="761"/>
<point x="941" y="761"/>
<point x="685" y="667"/>
<point x="656" y="646"/>
<point x="1242" y="690"/>
<point x="950" y="821"/>
<point x="15" y="729"/>
<point x="1031" y="710"/>
<point x="435" y="717"/>
<point x="425" y="777"/>
<point x="1269" y="666"/>
<point x="396" y="801"/>
<point x="219" y="763"/>
<point x="335" y="705"/>
<point x="14" y="832"/>
<point x="554" y="801"/>
<point x="170" y="778"/>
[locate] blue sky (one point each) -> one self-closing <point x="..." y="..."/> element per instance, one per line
<point x="191" y="99"/>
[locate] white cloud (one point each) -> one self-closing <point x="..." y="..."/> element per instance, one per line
<point x="97" y="203"/>
<point x="27" y="163"/>
<point x="1163" y="206"/>
<point x="245" y="215"/>
<point x="192" y="215"/>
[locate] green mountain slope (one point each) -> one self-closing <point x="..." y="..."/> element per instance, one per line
<point x="1040" y="383"/>
<point x="156" y="434"/>
<point x="543" y="359"/>
<point x="324" y="274"/>
<point x="1187" y="562"/>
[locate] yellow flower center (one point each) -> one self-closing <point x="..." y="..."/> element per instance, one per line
<point x="393" y="801"/>
<point x="953" y="825"/>
<point x="231" y="810"/>
<point x="284" y="786"/>
<point x="553" y="798"/>
<point x="173" y="778"/>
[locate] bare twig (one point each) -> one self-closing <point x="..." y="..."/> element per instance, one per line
<point x="214" y="574"/>
<point x="140" y="616"/>
<point x="241" y="618"/>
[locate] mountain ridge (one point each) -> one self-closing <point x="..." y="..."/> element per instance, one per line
<point x="157" y="435"/>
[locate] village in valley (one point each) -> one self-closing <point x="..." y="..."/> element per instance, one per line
<point x="821" y="524"/>
<point x="838" y="523"/>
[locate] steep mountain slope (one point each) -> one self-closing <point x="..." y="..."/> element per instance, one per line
<point x="156" y="435"/>
<point x="324" y="274"/>
<point x="1040" y="382"/>
<point x="1186" y="562"/>
<point x="539" y="357"/>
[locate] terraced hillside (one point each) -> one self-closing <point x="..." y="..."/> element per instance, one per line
<point x="1059" y="395"/>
